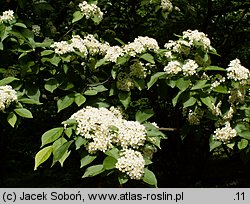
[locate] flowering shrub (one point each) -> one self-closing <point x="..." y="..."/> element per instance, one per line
<point x="98" y="86"/>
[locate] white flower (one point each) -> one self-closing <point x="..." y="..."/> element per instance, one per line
<point x="103" y="128"/>
<point x="36" y="29"/>
<point x="167" y="5"/>
<point x="173" y="67"/>
<point x="190" y="67"/>
<point x="78" y="43"/>
<point x="195" y="36"/>
<point x="140" y="45"/>
<point x="90" y="10"/>
<point x="225" y="134"/>
<point x="237" y="72"/>
<point x="7" y="96"/>
<point x="62" y="47"/>
<point x="132" y="163"/>
<point x="7" y="16"/>
<point x="216" y="109"/>
<point x="113" y="53"/>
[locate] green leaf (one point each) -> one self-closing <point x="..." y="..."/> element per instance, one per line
<point x="87" y="159"/>
<point x="139" y="83"/>
<point x="90" y="92"/>
<point x="68" y="131"/>
<point x="101" y="62"/>
<point x="20" y="25"/>
<point x="7" y="80"/>
<point x="12" y="118"/>
<point x="79" y="142"/>
<point x="154" y="78"/>
<point x="51" y="84"/>
<point x="46" y="52"/>
<point x="55" y="60"/>
<point x="59" y="153"/>
<point x="125" y="98"/>
<point x="214" y="68"/>
<point x="109" y="163"/>
<point x="114" y="152"/>
<point x="220" y="89"/>
<point x="51" y="135"/>
<point x="245" y="134"/>
<point x="79" y="99"/>
<point x="122" y="59"/>
<point x="148" y="57"/>
<point x="93" y="170"/>
<point x="29" y="101"/>
<point x="242" y="144"/>
<point x="149" y="178"/>
<point x="182" y="84"/>
<point x="23" y="112"/>
<point x="143" y="115"/>
<point x="175" y="99"/>
<point x="65" y="102"/>
<point x="77" y="16"/>
<point x="214" y="144"/>
<point x="32" y="92"/>
<point x="122" y="178"/>
<point x="100" y="88"/>
<point x="207" y="101"/>
<point x="1" y="46"/>
<point x="200" y="85"/>
<point x="190" y="102"/>
<point x="42" y="156"/>
<point x="120" y="41"/>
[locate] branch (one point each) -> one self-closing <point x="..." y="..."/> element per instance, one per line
<point x="168" y="129"/>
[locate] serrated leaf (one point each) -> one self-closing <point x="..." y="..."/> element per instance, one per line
<point x="51" y="135"/>
<point x="23" y="112"/>
<point x="77" y="16"/>
<point x="93" y="171"/>
<point x="12" y="118"/>
<point x="42" y="156"/>
<point x="109" y="163"/>
<point x="149" y="177"/>
<point x="143" y="115"/>
<point x="65" y="102"/>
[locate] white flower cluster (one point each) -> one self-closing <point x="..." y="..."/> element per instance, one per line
<point x="225" y="134"/>
<point x="140" y="45"/>
<point x="194" y="36"/>
<point x="7" y="96"/>
<point x="166" y="5"/>
<point x="88" y="45"/>
<point x="104" y="128"/>
<point x="90" y="10"/>
<point x="188" y="69"/>
<point x="237" y="96"/>
<point x="216" y="109"/>
<point x="7" y="16"/>
<point x="113" y="53"/>
<point x="218" y="82"/>
<point x="237" y="72"/>
<point x="132" y="163"/>
<point x="36" y="29"/>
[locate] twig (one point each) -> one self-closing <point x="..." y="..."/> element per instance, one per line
<point x="168" y="129"/>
